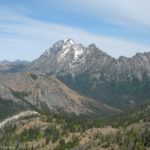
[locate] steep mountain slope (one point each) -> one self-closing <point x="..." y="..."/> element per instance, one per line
<point x="10" y="103"/>
<point x="10" y="107"/>
<point x="49" y="94"/>
<point x="122" y="82"/>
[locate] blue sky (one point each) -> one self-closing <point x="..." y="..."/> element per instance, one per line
<point x="29" y="27"/>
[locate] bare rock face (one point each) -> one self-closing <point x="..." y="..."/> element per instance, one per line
<point x="67" y="57"/>
<point x="121" y="82"/>
<point x="49" y="94"/>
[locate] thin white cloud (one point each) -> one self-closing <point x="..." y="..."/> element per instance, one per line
<point x="129" y="13"/>
<point x="27" y="38"/>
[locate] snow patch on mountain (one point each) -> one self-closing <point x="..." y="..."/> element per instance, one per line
<point x="78" y="51"/>
<point x="64" y="53"/>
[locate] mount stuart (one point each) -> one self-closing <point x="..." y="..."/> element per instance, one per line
<point x="121" y="83"/>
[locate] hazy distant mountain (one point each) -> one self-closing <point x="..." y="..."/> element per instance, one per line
<point x="13" y="66"/>
<point x="121" y="82"/>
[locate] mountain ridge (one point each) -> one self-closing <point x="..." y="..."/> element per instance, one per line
<point x="48" y="94"/>
<point x="94" y="73"/>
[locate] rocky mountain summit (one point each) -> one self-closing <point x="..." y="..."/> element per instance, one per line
<point x="121" y="82"/>
<point x="67" y="57"/>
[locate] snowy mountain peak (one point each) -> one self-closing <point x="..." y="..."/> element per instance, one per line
<point x="69" y="46"/>
<point x="68" y="40"/>
<point x="60" y="46"/>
